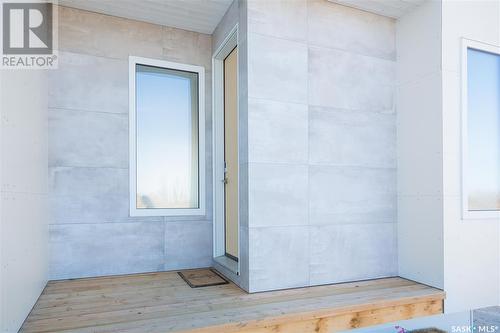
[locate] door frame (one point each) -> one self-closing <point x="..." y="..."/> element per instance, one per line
<point x="219" y="253"/>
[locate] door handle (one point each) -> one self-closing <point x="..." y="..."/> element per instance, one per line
<point x="225" y="180"/>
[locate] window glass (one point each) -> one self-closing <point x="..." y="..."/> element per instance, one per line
<point x="483" y="122"/>
<point x="167" y="163"/>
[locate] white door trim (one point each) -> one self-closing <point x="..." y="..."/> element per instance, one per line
<point x="229" y="43"/>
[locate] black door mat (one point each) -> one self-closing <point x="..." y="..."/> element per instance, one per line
<point x="204" y="277"/>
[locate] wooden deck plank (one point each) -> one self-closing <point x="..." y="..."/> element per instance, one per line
<point x="78" y="297"/>
<point x="76" y="319"/>
<point x="350" y="320"/>
<point x="162" y="302"/>
<point x="257" y="316"/>
<point x="182" y="296"/>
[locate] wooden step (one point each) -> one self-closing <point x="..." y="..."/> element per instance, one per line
<point x="163" y="302"/>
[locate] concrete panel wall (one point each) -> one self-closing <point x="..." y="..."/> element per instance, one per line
<point x="321" y="144"/>
<point x="420" y="152"/>
<point x="471" y="247"/>
<point x="91" y="232"/>
<point x="23" y="214"/>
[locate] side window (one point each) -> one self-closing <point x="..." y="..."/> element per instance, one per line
<point x="166" y="139"/>
<point x="482" y="132"/>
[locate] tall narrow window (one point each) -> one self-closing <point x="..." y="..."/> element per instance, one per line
<point x="166" y="138"/>
<point x="482" y="132"/>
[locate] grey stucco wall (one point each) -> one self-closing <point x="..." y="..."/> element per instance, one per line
<point x="91" y="233"/>
<point x="321" y="144"/>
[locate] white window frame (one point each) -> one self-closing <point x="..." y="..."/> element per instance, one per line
<point x="134" y="211"/>
<point x="229" y="43"/>
<point x="480" y="46"/>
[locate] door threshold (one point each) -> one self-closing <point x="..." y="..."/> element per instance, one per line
<point x="228" y="263"/>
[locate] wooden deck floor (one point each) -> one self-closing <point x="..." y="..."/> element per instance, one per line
<point x="163" y="302"/>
